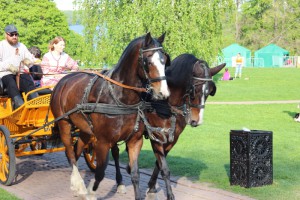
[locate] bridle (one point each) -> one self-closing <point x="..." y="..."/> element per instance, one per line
<point x="205" y="87"/>
<point x="145" y="64"/>
<point x="190" y="95"/>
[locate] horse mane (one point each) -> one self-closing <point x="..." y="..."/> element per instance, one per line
<point x="128" y="50"/>
<point x="180" y="71"/>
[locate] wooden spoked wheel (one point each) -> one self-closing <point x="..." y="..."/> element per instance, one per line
<point x="90" y="157"/>
<point x="7" y="157"/>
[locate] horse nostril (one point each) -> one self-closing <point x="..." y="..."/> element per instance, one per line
<point x="162" y="95"/>
<point x="194" y="123"/>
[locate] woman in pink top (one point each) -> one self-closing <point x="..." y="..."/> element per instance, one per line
<point x="56" y="62"/>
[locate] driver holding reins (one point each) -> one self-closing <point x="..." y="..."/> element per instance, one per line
<point x="15" y="59"/>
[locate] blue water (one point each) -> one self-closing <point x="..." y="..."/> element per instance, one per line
<point x="77" y="28"/>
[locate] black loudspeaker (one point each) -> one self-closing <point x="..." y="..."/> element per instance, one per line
<point x="251" y="158"/>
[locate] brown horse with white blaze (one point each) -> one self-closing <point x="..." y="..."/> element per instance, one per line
<point x="190" y="83"/>
<point x="105" y="107"/>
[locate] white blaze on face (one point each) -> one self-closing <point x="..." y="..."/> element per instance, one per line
<point x="201" y="113"/>
<point x="156" y="60"/>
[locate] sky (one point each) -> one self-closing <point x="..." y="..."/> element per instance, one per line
<point x="64" y="4"/>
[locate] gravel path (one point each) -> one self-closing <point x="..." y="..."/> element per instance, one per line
<point x="47" y="177"/>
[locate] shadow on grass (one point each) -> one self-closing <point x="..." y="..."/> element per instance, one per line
<point x="291" y="114"/>
<point x="218" y="77"/>
<point x="179" y="166"/>
<point x="227" y="169"/>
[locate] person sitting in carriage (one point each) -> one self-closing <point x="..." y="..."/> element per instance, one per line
<point x="56" y="62"/>
<point x="14" y="61"/>
<point x="36" y="70"/>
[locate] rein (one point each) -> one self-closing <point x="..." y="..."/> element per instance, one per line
<point x="117" y="83"/>
<point x="102" y="76"/>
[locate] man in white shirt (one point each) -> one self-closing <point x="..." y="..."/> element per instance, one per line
<point x="12" y="55"/>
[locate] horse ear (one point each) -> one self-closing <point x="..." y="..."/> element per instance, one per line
<point x="148" y="39"/>
<point x="161" y="38"/>
<point x="215" y="70"/>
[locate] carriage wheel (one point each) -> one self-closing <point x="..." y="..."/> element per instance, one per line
<point x="90" y="157"/>
<point x="38" y="146"/>
<point x="7" y="157"/>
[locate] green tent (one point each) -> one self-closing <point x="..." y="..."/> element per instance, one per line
<point x="231" y="51"/>
<point x="270" y="56"/>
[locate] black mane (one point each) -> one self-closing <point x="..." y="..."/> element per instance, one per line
<point x="182" y="65"/>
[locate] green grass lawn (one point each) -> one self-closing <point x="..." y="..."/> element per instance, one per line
<point x="261" y="84"/>
<point x="6" y="196"/>
<point x="202" y="153"/>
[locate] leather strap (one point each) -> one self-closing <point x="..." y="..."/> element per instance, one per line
<point x="116" y="82"/>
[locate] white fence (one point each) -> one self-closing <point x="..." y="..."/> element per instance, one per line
<point x="286" y="61"/>
<point x="277" y="61"/>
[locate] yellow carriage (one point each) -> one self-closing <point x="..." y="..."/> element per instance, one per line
<point x="27" y="131"/>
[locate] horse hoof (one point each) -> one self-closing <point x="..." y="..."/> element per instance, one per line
<point x="121" y="189"/>
<point x="152" y="196"/>
<point x="91" y="195"/>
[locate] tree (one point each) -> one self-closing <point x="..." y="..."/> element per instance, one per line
<point x="192" y="26"/>
<point x="38" y="21"/>
<point x="271" y="21"/>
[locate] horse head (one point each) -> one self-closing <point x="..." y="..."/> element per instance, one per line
<point x="190" y="81"/>
<point x="153" y="61"/>
<point x="202" y="86"/>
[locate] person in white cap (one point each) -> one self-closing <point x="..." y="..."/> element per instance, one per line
<point x="13" y="55"/>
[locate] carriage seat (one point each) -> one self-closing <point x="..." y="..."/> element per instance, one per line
<point x="3" y="91"/>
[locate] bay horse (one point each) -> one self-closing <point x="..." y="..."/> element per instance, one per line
<point x="190" y="82"/>
<point x="106" y="107"/>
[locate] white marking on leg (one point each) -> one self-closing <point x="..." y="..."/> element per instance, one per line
<point x="91" y="195"/>
<point x="77" y="183"/>
<point x="121" y="189"/>
<point x="152" y="196"/>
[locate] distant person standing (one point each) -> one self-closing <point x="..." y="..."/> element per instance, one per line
<point x="239" y="65"/>
<point x="56" y="62"/>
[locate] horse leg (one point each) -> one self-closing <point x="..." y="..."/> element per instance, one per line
<point x="161" y="163"/>
<point x="153" y="180"/>
<point x="165" y="173"/>
<point x="77" y="183"/>
<point x="65" y="135"/>
<point x="102" y="157"/>
<point x="82" y="141"/>
<point x="119" y="178"/>
<point x="134" y="148"/>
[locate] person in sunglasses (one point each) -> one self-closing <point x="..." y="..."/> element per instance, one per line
<point x="15" y="59"/>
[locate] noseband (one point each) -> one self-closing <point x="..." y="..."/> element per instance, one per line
<point x="146" y="67"/>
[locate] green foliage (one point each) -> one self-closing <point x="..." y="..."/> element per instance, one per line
<point x="191" y="26"/>
<point x="261" y="22"/>
<point x="38" y="21"/>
